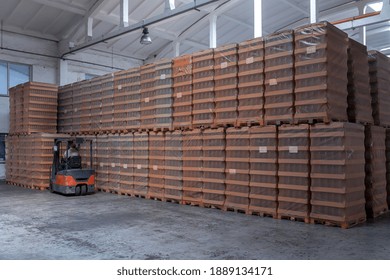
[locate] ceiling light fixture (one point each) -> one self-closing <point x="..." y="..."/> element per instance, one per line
<point x="145" y="39"/>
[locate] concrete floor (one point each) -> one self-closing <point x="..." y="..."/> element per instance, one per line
<point x="41" y="225"/>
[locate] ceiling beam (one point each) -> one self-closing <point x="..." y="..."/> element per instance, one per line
<point x="85" y="20"/>
<point x="296" y="7"/>
<point x="65" y="6"/>
<point x="365" y="21"/>
<point x="147" y="22"/>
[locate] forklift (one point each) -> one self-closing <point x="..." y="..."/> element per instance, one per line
<point x="67" y="176"/>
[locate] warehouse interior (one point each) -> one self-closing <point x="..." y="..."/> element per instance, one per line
<point x="127" y="74"/>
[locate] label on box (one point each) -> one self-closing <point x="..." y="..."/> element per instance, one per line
<point x="112" y="164"/>
<point x="224" y="65"/>
<point x="139" y="166"/>
<point x="179" y="95"/>
<point x="163" y="77"/>
<point x="119" y="87"/>
<point x="125" y="166"/>
<point x="66" y="111"/>
<point x="232" y="171"/>
<point x="155" y="167"/>
<point x="273" y="82"/>
<point x="263" y="150"/>
<point x="101" y="164"/>
<point x="147" y="100"/>
<point x="293" y="149"/>
<point x="250" y="60"/>
<point x="75" y="110"/>
<point x="311" y="49"/>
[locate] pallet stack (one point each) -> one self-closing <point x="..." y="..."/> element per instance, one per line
<point x="203" y="106"/>
<point x="337" y="174"/>
<point x="192" y="167"/>
<point x="16" y="109"/>
<point x="376" y="193"/>
<point x="321" y="73"/>
<point x="163" y="99"/>
<point x="126" y="184"/>
<point x="263" y="195"/>
<point x="388" y="165"/>
<point x="29" y="159"/>
<point x="77" y="94"/>
<point x="102" y="159"/>
<point x="358" y="84"/>
<point x="279" y="78"/>
<point x="156" y="165"/>
<point x="379" y="67"/>
<point x="85" y="106"/>
<point x="182" y="92"/>
<point x="225" y="85"/>
<point x="173" y="166"/>
<point x="107" y="116"/>
<point x="294" y="172"/>
<point x="33" y="108"/>
<point x="148" y="77"/>
<point x="96" y="104"/>
<point x="141" y="163"/>
<point x="213" y="167"/>
<point x="251" y="82"/>
<point x="237" y="169"/>
<point x="114" y="163"/>
<point x="127" y="99"/>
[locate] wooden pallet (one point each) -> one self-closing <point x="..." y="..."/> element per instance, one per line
<point x="343" y="225"/>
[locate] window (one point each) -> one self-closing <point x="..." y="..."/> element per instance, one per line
<point x="12" y="74"/>
<point x="2" y="147"/>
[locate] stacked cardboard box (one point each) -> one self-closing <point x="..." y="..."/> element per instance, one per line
<point x="376" y="194"/>
<point x="76" y="113"/>
<point x="337" y="174"/>
<point x="30" y="159"/>
<point x="16" y="110"/>
<point x="114" y="164"/>
<point x="127" y="164"/>
<point x="293" y="172"/>
<point x="379" y="66"/>
<point x="156" y="165"/>
<point x="251" y="82"/>
<point x="33" y="108"/>
<point x="163" y="95"/>
<point x="173" y="166"/>
<point x="263" y="195"/>
<point x="225" y="85"/>
<point x="141" y="163"/>
<point x="107" y="117"/>
<point x="237" y="169"/>
<point x="102" y="159"/>
<point x="192" y="166"/>
<point x="121" y="95"/>
<point x="388" y="165"/>
<point x="358" y="84"/>
<point x="213" y="167"/>
<point x="182" y="92"/>
<point x="127" y="100"/>
<point x="84" y="90"/>
<point x="203" y="89"/>
<point x="96" y="104"/>
<point x="321" y="73"/>
<point x="279" y="77"/>
<point x="65" y="108"/>
<point x="148" y="77"/>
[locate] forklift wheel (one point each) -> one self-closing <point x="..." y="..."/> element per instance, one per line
<point x="77" y="190"/>
<point x="83" y="190"/>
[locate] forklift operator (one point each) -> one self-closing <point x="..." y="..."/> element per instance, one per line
<point x="72" y="151"/>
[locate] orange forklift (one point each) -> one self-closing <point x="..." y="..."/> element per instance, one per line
<point x="67" y="176"/>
